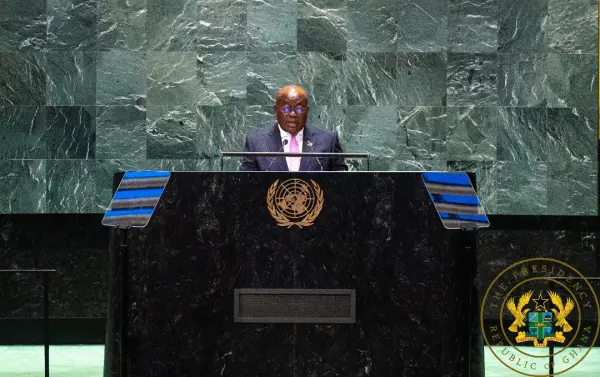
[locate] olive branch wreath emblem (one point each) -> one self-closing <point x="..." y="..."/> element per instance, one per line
<point x="283" y="220"/>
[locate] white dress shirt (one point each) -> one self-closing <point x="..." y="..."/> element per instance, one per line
<point x="286" y="147"/>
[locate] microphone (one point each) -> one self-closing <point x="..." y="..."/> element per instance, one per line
<point x="309" y="144"/>
<point x="284" y="143"/>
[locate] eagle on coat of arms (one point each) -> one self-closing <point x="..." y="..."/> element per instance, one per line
<point x="541" y="325"/>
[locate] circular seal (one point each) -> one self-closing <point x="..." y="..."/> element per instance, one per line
<point x="539" y="317"/>
<point x="294" y="202"/>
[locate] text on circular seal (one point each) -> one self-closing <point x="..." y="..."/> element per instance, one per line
<point x="538" y="310"/>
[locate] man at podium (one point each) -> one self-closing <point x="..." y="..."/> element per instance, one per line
<point x="291" y="134"/>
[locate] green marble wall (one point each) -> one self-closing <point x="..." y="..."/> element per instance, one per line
<point x="506" y="88"/>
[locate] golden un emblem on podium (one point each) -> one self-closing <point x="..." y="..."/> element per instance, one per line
<point x="295" y="202"/>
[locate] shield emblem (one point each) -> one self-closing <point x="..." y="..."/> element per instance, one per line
<point x="540" y="324"/>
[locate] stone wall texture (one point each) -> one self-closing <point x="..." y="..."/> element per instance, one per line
<point x="505" y="88"/>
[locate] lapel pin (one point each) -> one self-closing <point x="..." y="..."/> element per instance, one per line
<point x="309" y="143"/>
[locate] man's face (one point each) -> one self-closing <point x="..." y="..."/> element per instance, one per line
<point x="291" y="109"/>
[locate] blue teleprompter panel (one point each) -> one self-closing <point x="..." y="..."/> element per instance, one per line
<point x="136" y="198"/>
<point x="455" y="200"/>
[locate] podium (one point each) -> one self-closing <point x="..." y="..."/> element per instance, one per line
<point x="362" y="280"/>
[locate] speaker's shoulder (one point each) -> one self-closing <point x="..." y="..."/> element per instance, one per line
<point x="322" y="133"/>
<point x="262" y="131"/>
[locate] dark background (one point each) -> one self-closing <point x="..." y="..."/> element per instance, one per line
<point x="77" y="247"/>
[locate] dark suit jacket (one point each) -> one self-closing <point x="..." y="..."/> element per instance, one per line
<point x="315" y="140"/>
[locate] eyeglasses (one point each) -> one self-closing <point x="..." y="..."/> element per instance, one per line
<point x="298" y="109"/>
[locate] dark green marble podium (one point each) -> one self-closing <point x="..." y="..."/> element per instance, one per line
<point x="377" y="234"/>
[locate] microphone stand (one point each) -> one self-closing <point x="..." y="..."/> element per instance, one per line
<point x="366" y="156"/>
<point x="309" y="144"/>
<point x="283" y="144"/>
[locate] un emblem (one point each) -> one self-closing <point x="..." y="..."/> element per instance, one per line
<point x="295" y="202"/>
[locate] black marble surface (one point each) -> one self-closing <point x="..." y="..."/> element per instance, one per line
<point x="212" y="233"/>
<point x="75" y="245"/>
<point x="498" y="249"/>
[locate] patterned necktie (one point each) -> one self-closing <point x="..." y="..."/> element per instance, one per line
<point x="294" y="162"/>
